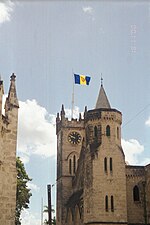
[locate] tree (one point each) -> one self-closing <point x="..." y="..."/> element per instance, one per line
<point x="46" y="211"/>
<point x="23" y="193"/>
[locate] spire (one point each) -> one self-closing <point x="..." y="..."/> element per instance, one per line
<point x="12" y="94"/>
<point x="102" y="101"/>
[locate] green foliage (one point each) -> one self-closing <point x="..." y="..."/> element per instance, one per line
<point x="23" y="193"/>
<point x="46" y="211"/>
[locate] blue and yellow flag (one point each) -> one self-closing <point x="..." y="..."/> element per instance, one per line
<point x="82" y="79"/>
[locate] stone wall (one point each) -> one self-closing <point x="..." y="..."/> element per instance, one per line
<point x="8" y="140"/>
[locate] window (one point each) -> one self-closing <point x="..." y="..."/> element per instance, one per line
<point x="136" y="196"/>
<point x="111" y="167"/>
<point x="106" y="203"/>
<point x="108" y="131"/>
<point x="70" y="166"/>
<point x="112" y="203"/>
<point x="74" y="164"/>
<point x="105" y="164"/>
<point x="95" y="132"/>
<point x="118" y="132"/>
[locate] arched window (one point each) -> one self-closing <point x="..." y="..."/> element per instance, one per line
<point x="106" y="203"/>
<point x="108" y="130"/>
<point x="105" y="164"/>
<point x="136" y="195"/>
<point x="118" y="132"/>
<point x="111" y="166"/>
<point x="95" y="132"/>
<point x="74" y="164"/>
<point x="70" y="166"/>
<point x="112" y="203"/>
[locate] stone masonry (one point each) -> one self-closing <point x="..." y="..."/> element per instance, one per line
<point x="8" y="140"/>
<point x="94" y="184"/>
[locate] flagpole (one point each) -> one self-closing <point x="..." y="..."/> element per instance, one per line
<point x="72" y="98"/>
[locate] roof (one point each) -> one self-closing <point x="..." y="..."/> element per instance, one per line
<point x="102" y="100"/>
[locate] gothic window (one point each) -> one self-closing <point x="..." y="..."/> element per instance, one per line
<point x="74" y="164"/>
<point x="105" y="164"/>
<point x="108" y="131"/>
<point x="111" y="166"/>
<point x="95" y="132"/>
<point x="112" y="203"/>
<point x="118" y="132"/>
<point x="106" y="203"/>
<point x="70" y="166"/>
<point x="136" y="195"/>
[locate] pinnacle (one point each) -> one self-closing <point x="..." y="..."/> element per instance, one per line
<point x="102" y="100"/>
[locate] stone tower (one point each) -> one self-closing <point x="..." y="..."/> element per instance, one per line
<point x="69" y="135"/>
<point x="8" y="140"/>
<point x="94" y="184"/>
<point x="91" y="179"/>
<point x="105" y="179"/>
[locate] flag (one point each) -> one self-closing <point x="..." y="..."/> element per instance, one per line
<point x="82" y="79"/>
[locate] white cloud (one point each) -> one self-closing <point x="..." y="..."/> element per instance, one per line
<point x="28" y="218"/>
<point x="33" y="187"/>
<point x="76" y="111"/>
<point x="6" y="8"/>
<point x="36" y="131"/>
<point x="148" y="122"/>
<point x="132" y="149"/>
<point x="88" y="10"/>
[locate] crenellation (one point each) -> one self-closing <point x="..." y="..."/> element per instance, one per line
<point x="101" y="182"/>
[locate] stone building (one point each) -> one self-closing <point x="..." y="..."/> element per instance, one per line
<point x="8" y="139"/>
<point x="94" y="184"/>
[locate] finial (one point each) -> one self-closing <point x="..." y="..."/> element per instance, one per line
<point x="62" y="110"/>
<point x="13" y="76"/>
<point x="80" y="117"/>
<point x="85" y="109"/>
<point x="101" y="80"/>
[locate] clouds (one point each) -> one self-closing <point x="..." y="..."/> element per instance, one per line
<point x="33" y="187"/>
<point x="36" y="131"/>
<point x="6" y="8"/>
<point x="88" y="10"/>
<point x="148" y="122"/>
<point x="29" y="218"/>
<point x="132" y="149"/>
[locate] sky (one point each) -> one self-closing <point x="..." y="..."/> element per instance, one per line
<point x="44" y="43"/>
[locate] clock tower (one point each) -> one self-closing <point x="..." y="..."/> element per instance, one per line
<point x="91" y="178"/>
<point x="70" y="134"/>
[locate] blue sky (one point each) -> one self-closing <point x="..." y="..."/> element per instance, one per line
<point x="43" y="43"/>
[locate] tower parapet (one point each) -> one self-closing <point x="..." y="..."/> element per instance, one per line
<point x="62" y="121"/>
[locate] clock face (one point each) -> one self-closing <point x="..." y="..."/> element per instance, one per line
<point x="74" y="137"/>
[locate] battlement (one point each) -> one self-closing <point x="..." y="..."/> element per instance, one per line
<point x="105" y="114"/>
<point x="135" y="171"/>
<point x="62" y="121"/>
